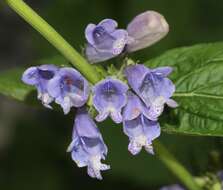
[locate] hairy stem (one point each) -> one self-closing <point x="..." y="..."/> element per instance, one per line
<point x="55" y="39"/>
<point x="175" y="167"/>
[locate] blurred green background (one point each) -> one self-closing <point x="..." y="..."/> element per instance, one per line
<point x="33" y="140"/>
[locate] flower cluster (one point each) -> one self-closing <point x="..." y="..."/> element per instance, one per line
<point x="136" y="102"/>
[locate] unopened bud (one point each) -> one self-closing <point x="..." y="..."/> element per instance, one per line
<point x="146" y="29"/>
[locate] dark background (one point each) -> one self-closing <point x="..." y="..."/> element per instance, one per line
<point x="33" y="140"/>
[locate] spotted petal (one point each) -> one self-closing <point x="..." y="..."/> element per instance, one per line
<point x="69" y="88"/>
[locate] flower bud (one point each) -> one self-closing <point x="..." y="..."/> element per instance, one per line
<point x="146" y="29"/>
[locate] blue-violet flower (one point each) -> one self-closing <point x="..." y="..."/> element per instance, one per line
<point x="104" y="40"/>
<point x="109" y="97"/>
<point x="152" y="86"/>
<point x="39" y="77"/>
<point x="87" y="147"/>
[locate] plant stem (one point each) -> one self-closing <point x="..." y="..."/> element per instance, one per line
<point x="175" y="167"/>
<point x="55" y="39"/>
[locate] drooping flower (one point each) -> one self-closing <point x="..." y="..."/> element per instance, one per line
<point x="172" y="187"/>
<point x="69" y="88"/>
<point x="109" y="97"/>
<point x="152" y="86"/>
<point x="39" y="77"/>
<point x="146" y="29"/>
<point x="104" y="40"/>
<point x="141" y="132"/>
<point x="135" y="107"/>
<point x="87" y="147"/>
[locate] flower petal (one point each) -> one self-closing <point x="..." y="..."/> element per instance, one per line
<point x="109" y="25"/>
<point x="162" y="71"/>
<point x="133" y="128"/>
<point x="30" y="76"/>
<point x="93" y="55"/>
<point x="88" y="33"/>
<point x="109" y="97"/>
<point x="121" y="37"/>
<point x="151" y="129"/>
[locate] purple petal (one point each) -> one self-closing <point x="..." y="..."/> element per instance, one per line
<point x="85" y="126"/>
<point x="116" y="116"/>
<point x="133" y="128"/>
<point x="88" y="33"/>
<point x="134" y="147"/>
<point x="93" y="55"/>
<point x="166" y="88"/>
<point x="151" y="129"/>
<point x="109" y="25"/>
<point x="133" y="107"/>
<point x="80" y="156"/>
<point x="109" y="98"/>
<point x="136" y="72"/>
<point x="30" y="76"/>
<point x="172" y="103"/>
<point x="54" y="87"/>
<point x="162" y="71"/>
<point x="121" y="37"/>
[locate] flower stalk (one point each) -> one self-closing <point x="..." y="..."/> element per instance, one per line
<point x="175" y="167"/>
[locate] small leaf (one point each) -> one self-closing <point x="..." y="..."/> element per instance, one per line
<point x="198" y="76"/>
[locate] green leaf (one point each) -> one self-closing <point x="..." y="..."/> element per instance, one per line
<point x="11" y="84"/>
<point x="198" y="76"/>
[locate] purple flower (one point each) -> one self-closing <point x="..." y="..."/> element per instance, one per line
<point x="109" y="97"/>
<point x="145" y="30"/>
<point x="39" y="77"/>
<point x="135" y="107"/>
<point x="104" y="40"/>
<point x="141" y="132"/>
<point x="172" y="187"/>
<point x="87" y="147"/>
<point x="152" y="86"/>
<point x="69" y="88"/>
